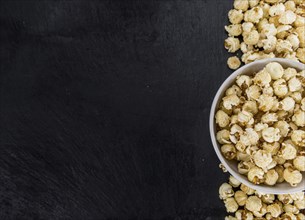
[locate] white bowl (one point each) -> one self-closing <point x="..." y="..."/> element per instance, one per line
<point x="231" y="166"/>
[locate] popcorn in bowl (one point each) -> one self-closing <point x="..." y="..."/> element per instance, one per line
<point x="261" y="124"/>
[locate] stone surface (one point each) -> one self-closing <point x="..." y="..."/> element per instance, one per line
<point x="104" y="108"/>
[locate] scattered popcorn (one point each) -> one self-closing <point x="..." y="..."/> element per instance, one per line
<point x="245" y="203"/>
<point x="233" y="62"/>
<point x="265" y="29"/>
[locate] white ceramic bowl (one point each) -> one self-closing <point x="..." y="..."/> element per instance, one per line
<point x="231" y="166"/>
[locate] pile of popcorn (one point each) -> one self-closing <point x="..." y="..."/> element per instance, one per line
<point x="247" y="204"/>
<point x="266" y="29"/>
<point x="261" y="124"/>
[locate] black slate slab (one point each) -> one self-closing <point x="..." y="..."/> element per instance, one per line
<point x="104" y="108"/>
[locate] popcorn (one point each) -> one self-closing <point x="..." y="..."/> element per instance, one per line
<point x="261" y="123"/>
<point x="231" y="205"/>
<point x="288" y="17"/>
<point x="299" y="163"/>
<point x="235" y="16"/>
<point x="293" y="177"/>
<point x="269" y="28"/>
<point x="248" y="204"/>
<point x="233" y="62"/>
<point x="251" y="38"/>
<point x="225" y="191"/>
<point x="241" y="5"/>
<point x="232" y="44"/>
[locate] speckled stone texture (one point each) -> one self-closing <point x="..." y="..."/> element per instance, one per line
<point x="104" y="108"/>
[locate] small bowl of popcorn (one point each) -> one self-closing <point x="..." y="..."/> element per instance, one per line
<point x="257" y="125"/>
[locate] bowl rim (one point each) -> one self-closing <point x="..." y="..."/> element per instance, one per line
<point x="226" y="83"/>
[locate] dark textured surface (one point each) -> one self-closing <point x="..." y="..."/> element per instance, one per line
<point x="104" y="108"/>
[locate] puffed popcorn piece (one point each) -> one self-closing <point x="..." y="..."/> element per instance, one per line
<point x="225" y="191"/>
<point x="240" y="197"/>
<point x="301" y="54"/>
<point x="230" y="101"/>
<point x="241" y="5"/>
<point x="298" y="138"/>
<point x="271" y="134"/>
<point x="256" y="175"/>
<point x="271" y="148"/>
<point x="232" y="44"/>
<point x="287" y="104"/>
<point x="293" y="177"/>
<point x="251" y="137"/>
<point x="266" y="102"/>
<point x="233" y="90"/>
<point x="283" y="46"/>
<point x="245" y="118"/>
<point x="271" y="177"/>
<point x="222" y="118"/>
<point x="254" y="15"/>
<point x="285" y="198"/>
<point x="253" y="204"/>
<point x="288" y="17"/>
<point x="300" y="204"/>
<point x="229" y="151"/>
<point x="231" y="205"/>
<point x="275" y="210"/>
<point x="269" y="44"/>
<point x="268" y="198"/>
<point x="290" y="5"/>
<point x="262" y="159"/>
<point x="243" y="81"/>
<point x="251" y="38"/>
<point x="299" y="118"/>
<point x="294" y="41"/>
<point x="299" y="163"/>
<point x="283" y="126"/>
<point x="291" y="209"/>
<point x="294" y="84"/>
<point x="244" y="167"/>
<point x="262" y="78"/>
<point x="289" y="73"/>
<point x="253" y="92"/>
<point x="235" y="16"/>
<point x="233" y="62"/>
<point x="269" y="118"/>
<point x="234" y="30"/>
<point x="234" y="182"/>
<point x="250" y="106"/>
<point x="287" y="151"/>
<point x="276" y="10"/>
<point x="267" y="90"/>
<point x="280" y="88"/>
<point x="261" y="212"/>
<point x="248" y="26"/>
<point x="223" y="136"/>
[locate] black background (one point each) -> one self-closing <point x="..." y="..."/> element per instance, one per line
<point x="104" y="108"/>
